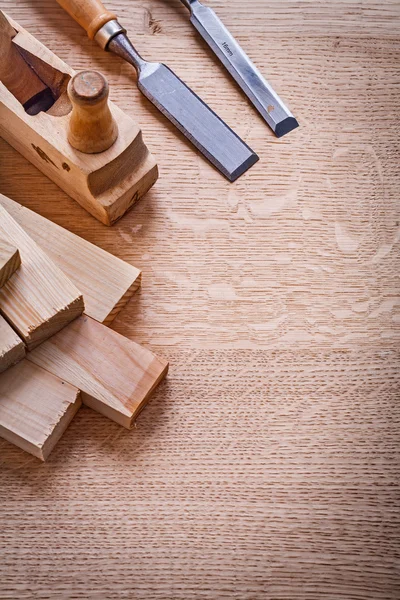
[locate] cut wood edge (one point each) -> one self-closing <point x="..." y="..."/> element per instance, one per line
<point x="62" y="425"/>
<point x="53" y="325"/>
<point x="12" y="348"/>
<point x="29" y="394"/>
<point x="10" y="260"/>
<point x="123" y="301"/>
<point x="116" y="376"/>
<point x="102" y="302"/>
<point x="39" y="299"/>
<point x="124" y="418"/>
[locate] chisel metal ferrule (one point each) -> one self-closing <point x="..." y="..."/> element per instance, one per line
<point x="106" y="33"/>
<point x="217" y="142"/>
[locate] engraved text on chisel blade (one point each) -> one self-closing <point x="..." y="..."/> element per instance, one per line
<point x="245" y="73"/>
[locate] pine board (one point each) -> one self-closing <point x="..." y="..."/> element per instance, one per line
<point x="39" y="299"/>
<point x="106" y="282"/>
<point x="35" y="408"/>
<point x="266" y="467"/>
<point x="12" y="348"/>
<point x="10" y="260"/>
<point x="115" y="375"/>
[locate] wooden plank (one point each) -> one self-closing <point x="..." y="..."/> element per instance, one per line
<point x="268" y="467"/>
<point x="39" y="299"/>
<point x="115" y="375"/>
<point x="12" y="348"/>
<point x="106" y="282"/>
<point x="36" y="407"/>
<point x="10" y="260"/>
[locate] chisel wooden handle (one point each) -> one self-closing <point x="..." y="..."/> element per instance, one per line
<point x="90" y="14"/>
<point x="15" y="73"/>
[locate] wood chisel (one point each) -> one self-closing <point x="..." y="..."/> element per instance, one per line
<point x="223" y="148"/>
<point x="245" y="73"/>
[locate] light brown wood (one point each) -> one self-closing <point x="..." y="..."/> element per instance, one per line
<point x="92" y="128"/>
<point x="17" y="76"/>
<point x="39" y="299"/>
<point x="12" y="348"/>
<point x="90" y="14"/>
<point x="35" y="408"/>
<point x="10" y="260"/>
<point x="115" y="375"/>
<point x="106" y="282"/>
<point x="105" y="184"/>
<point x="266" y="467"/>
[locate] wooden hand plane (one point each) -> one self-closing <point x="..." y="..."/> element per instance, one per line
<point x="65" y="126"/>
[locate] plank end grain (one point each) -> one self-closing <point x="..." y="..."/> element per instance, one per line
<point x="133" y="284"/>
<point x="106" y="282"/>
<point x="12" y="348"/>
<point x="36" y="407"/>
<point x="115" y="375"/>
<point x="10" y="260"/>
<point x="39" y="299"/>
<point x="267" y="468"/>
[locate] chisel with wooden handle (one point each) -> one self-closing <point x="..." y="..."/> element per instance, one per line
<point x="245" y="73"/>
<point x="219" y="144"/>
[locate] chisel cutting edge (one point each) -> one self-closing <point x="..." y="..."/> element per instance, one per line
<point x="245" y="73"/>
<point x="219" y="144"/>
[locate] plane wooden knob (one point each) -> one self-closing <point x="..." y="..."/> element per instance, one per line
<point x="92" y="128"/>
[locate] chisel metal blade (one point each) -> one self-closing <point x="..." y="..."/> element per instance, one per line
<point x="219" y="144"/>
<point x="167" y="92"/>
<point x="245" y="73"/>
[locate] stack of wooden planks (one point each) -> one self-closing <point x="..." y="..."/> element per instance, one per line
<point x="58" y="293"/>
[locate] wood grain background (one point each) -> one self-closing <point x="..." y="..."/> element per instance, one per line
<point x="267" y="466"/>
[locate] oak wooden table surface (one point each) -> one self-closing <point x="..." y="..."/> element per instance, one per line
<point x="267" y="466"/>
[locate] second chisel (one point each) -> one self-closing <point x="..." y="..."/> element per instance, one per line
<point x="244" y="72"/>
<point x="223" y="148"/>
